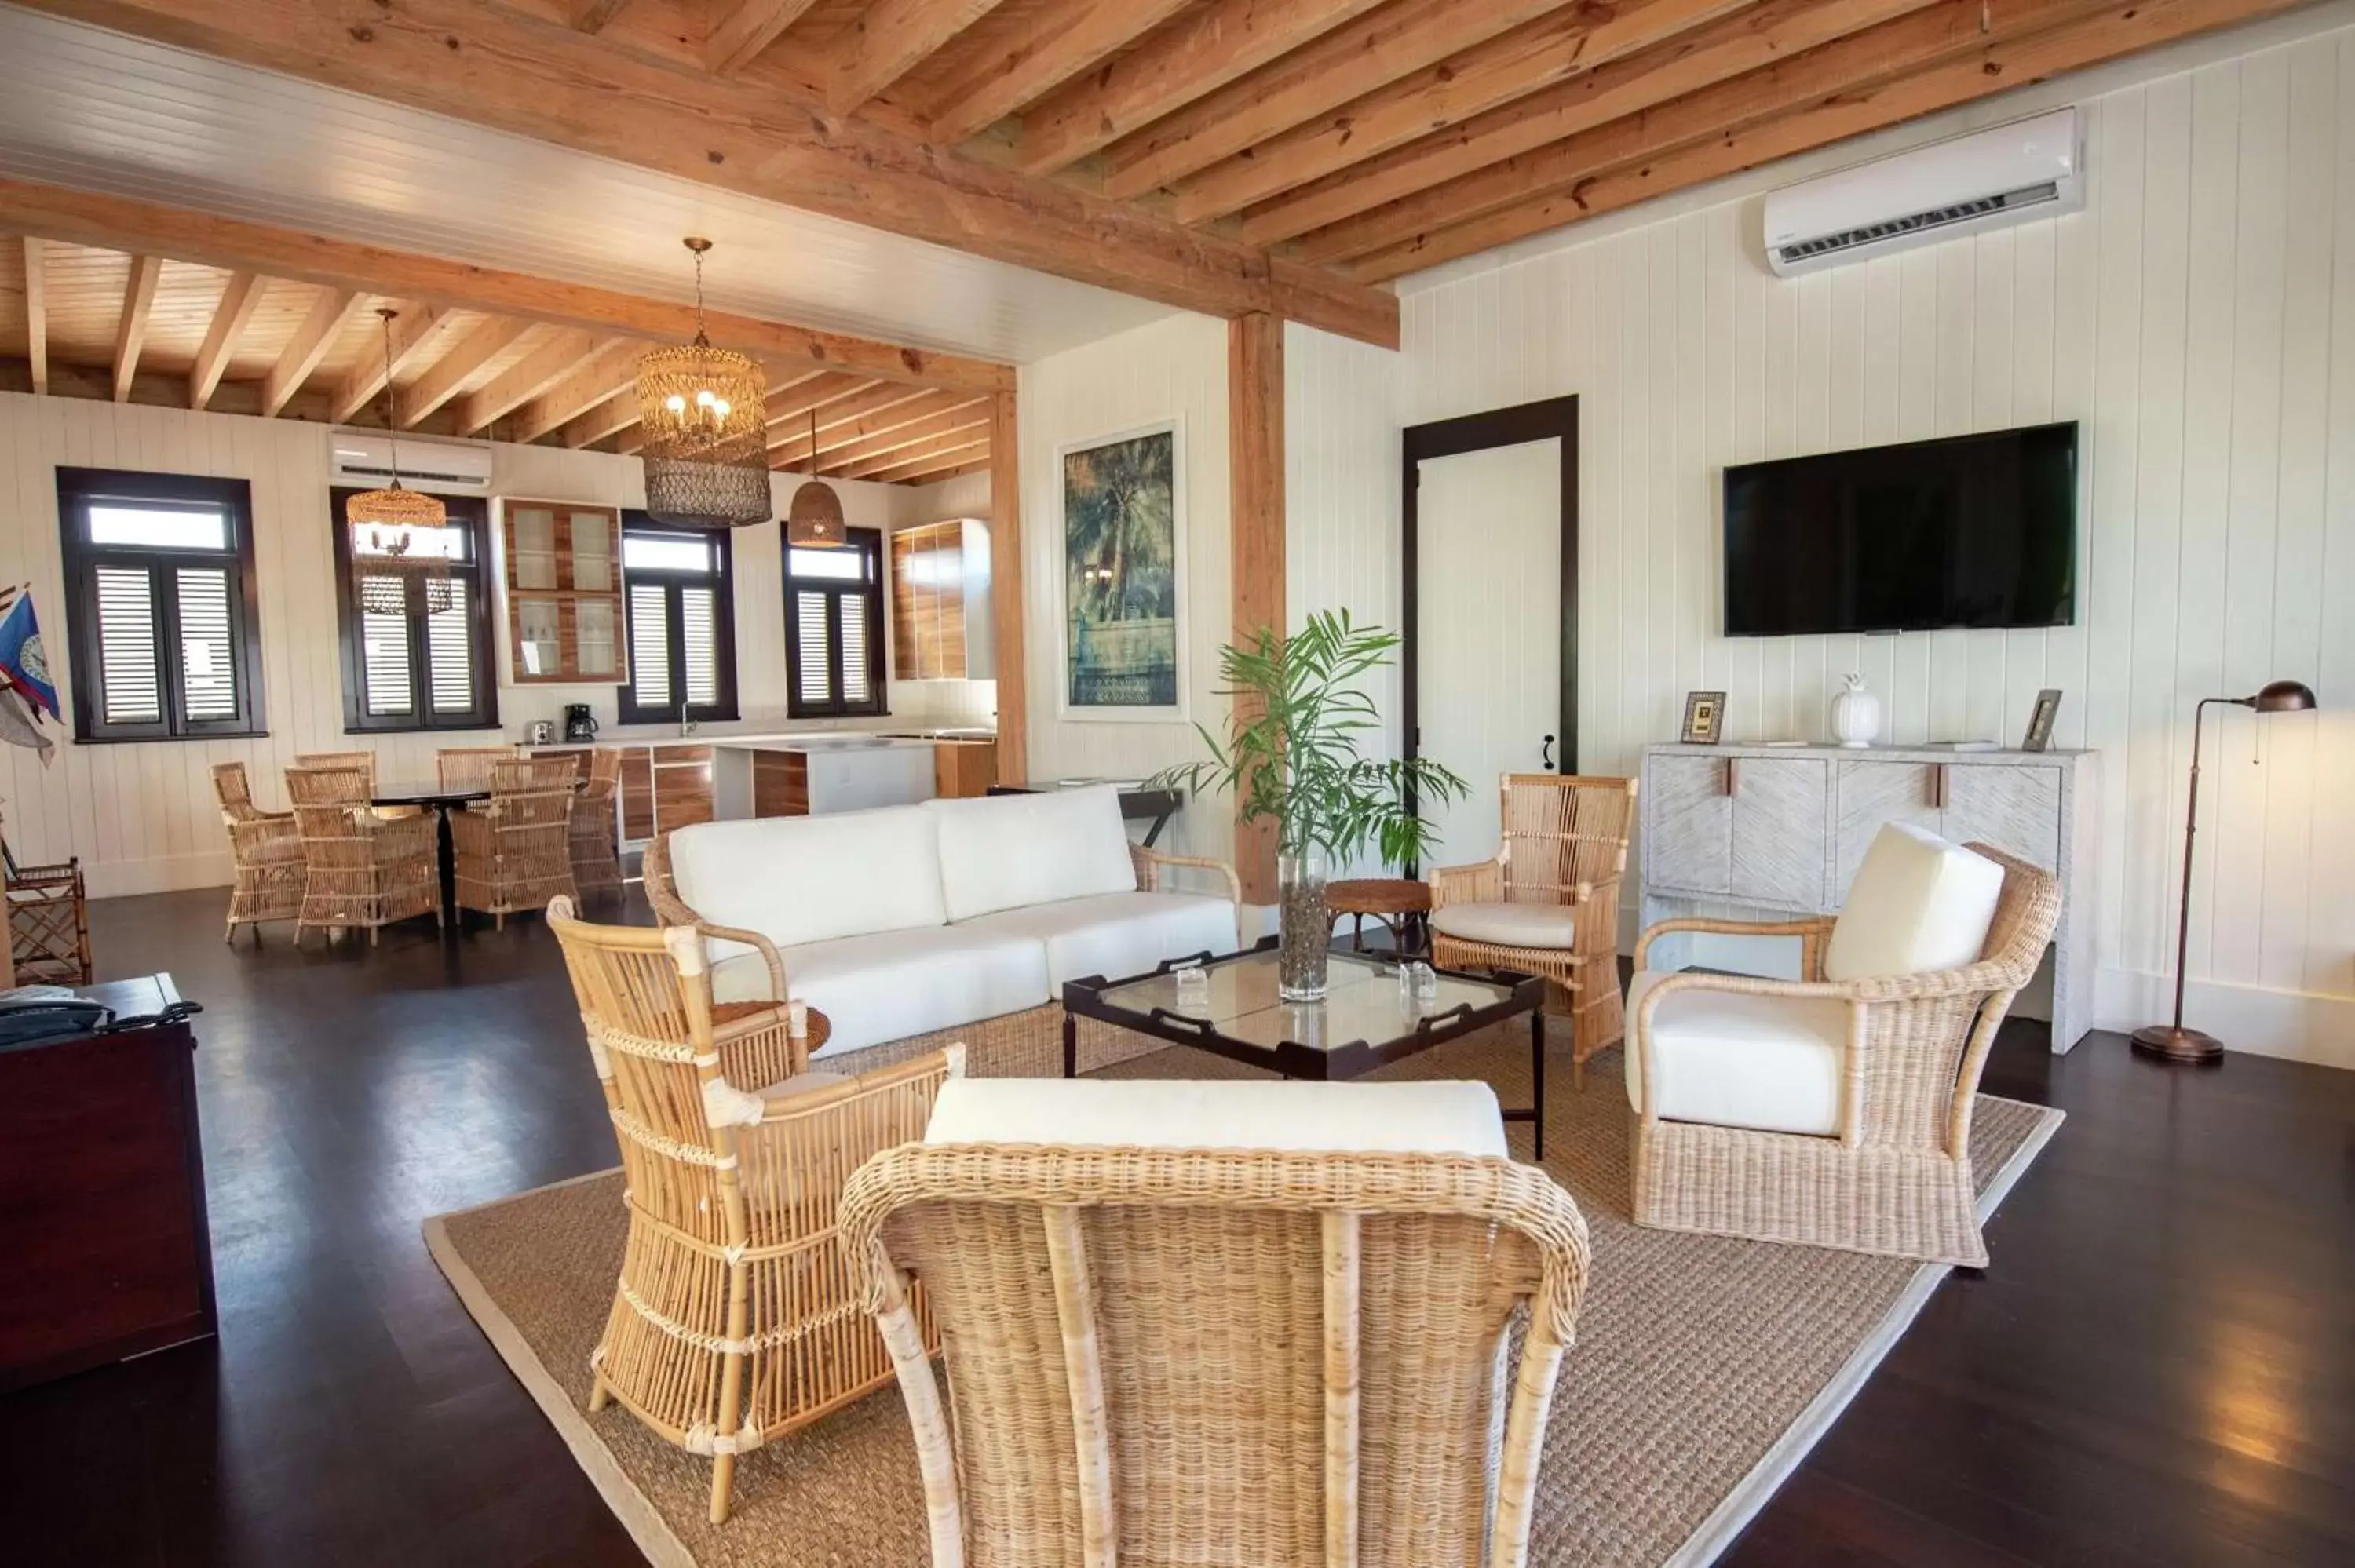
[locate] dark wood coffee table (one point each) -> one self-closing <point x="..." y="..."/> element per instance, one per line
<point x="1361" y="1025"/>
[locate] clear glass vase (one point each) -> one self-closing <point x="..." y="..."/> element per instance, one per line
<point x="1304" y="926"/>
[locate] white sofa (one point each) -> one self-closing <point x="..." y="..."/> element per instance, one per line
<point x="912" y="920"/>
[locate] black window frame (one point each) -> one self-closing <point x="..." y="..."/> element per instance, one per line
<point x="78" y="489"/>
<point x="629" y="709"/>
<point x="869" y="542"/>
<point x="481" y="634"/>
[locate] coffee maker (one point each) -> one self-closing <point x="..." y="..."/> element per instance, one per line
<point x="579" y="724"/>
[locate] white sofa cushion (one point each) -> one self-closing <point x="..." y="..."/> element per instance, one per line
<point x="1509" y="925"/>
<point x="1769" y="1062"/>
<point x="890" y="984"/>
<point x="1918" y="904"/>
<point x="812" y="879"/>
<point x="1397" y="1119"/>
<point x="1005" y="852"/>
<point x="1116" y="935"/>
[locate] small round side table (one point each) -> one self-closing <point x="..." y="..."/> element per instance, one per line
<point x="1398" y="903"/>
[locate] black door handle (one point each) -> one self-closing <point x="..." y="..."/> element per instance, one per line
<point x="1546" y="758"/>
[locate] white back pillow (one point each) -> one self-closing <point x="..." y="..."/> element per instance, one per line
<point x="1390" y="1119"/>
<point x="1004" y="851"/>
<point x="1919" y="905"/>
<point x="811" y="879"/>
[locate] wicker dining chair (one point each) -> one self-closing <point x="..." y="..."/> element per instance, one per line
<point x="1548" y="902"/>
<point x="469" y="766"/>
<point x="365" y="762"/>
<point x="514" y="851"/>
<point x="596" y="852"/>
<point x="265" y="852"/>
<point x="1894" y="1175"/>
<point x="49" y="922"/>
<point x="359" y="869"/>
<point x="734" y="1321"/>
<point x="1204" y="1355"/>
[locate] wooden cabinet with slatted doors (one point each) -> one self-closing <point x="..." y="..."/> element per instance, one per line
<point x="940" y="602"/>
<point x="682" y="786"/>
<point x="563" y="580"/>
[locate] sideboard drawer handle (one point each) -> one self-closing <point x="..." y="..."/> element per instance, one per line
<point x="1733" y="775"/>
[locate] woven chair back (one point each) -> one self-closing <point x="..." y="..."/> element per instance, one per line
<point x="1196" y="1356"/>
<point x="605" y="774"/>
<point x="530" y="796"/>
<point x="331" y="810"/>
<point x="363" y="760"/>
<point x="233" y="792"/>
<point x="1561" y="830"/>
<point x="469" y="766"/>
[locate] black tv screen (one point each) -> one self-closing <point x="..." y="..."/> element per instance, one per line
<point x="1974" y="531"/>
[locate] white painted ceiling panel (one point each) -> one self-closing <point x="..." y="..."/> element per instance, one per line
<point x="97" y="111"/>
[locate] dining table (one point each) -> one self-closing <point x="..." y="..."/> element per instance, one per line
<point x="438" y="798"/>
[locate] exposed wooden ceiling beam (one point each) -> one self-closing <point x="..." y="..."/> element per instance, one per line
<point x="1204" y="49"/>
<point x="887" y="40"/>
<point x="792" y="436"/>
<point x="556" y="355"/>
<point x="906" y="426"/>
<point x="1551" y="49"/>
<point x="1062" y="40"/>
<point x="484" y="342"/>
<point x="964" y="465"/>
<point x="611" y="417"/>
<point x="960" y="447"/>
<point x="790" y="404"/>
<point x="1347" y="63"/>
<point x="921" y="436"/>
<point x="413" y="326"/>
<point x="1780" y="30"/>
<point x="236" y="308"/>
<point x="131" y="329"/>
<point x="309" y="345"/>
<point x="753" y="25"/>
<point x="607" y="373"/>
<point x="487" y="64"/>
<point x="2118" y="29"/>
<point x="36" y="311"/>
<point x="840" y="411"/>
<point x="591" y="16"/>
<point x="117" y="224"/>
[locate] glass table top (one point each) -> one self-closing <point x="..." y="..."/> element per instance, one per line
<point x="1362" y="1001"/>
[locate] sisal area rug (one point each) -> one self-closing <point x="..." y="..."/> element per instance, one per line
<point x="1705" y="1368"/>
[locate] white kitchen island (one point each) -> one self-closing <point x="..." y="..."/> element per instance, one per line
<point x="781" y="776"/>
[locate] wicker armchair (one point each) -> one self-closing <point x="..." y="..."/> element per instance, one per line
<point x="266" y="849"/>
<point x="1206" y="1355"/>
<point x="514" y="851"/>
<point x="596" y="856"/>
<point x="1547" y="903"/>
<point x="1154" y="868"/>
<point x="1894" y="1176"/>
<point x="365" y="762"/>
<point x="469" y="766"/>
<point x="359" y="869"/>
<point x="760" y="1027"/>
<point x="734" y="1321"/>
<point x="49" y="923"/>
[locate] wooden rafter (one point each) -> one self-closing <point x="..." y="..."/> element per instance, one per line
<point x="787" y="404"/>
<point x="895" y="467"/>
<point x="839" y="411"/>
<point x="131" y="329"/>
<point x="459" y="364"/>
<point x="592" y="15"/>
<point x="610" y="417"/>
<point x="2118" y="29"/>
<point x="413" y="326"/>
<point x="926" y="423"/>
<point x="116" y="224"/>
<point x="1064" y="39"/>
<point x="1780" y="30"/>
<point x="1202" y="49"/>
<point x="238" y="297"/>
<point x="749" y="26"/>
<point x="758" y="138"/>
<point x="555" y="356"/>
<point x="36" y="311"/>
<point x="887" y="40"/>
<point x="309" y="345"/>
<point x="789" y="440"/>
<point x="607" y="373"/>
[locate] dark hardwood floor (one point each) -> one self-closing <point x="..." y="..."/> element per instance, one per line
<point x="2159" y="1367"/>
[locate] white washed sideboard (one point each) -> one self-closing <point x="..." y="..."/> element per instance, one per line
<point x="1782" y="829"/>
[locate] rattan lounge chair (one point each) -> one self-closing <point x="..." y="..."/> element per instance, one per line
<point x="266" y="851"/>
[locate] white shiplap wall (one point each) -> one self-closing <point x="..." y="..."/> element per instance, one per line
<point x="141" y="816"/>
<point x="2199" y="319"/>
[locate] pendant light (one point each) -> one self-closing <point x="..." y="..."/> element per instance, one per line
<point x="707" y="448"/>
<point x="381" y="522"/>
<point x="814" y="521"/>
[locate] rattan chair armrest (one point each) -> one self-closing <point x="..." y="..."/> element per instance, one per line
<point x="757" y="943"/>
<point x="1482" y="882"/>
<point x="661" y="891"/>
<point x="1813" y="929"/>
<point x="1151" y="863"/>
<point x="902" y="1120"/>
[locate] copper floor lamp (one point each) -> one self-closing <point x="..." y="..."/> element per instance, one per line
<point x="2173" y="1040"/>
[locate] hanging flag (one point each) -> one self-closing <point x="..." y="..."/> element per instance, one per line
<point x="20" y="724"/>
<point x="22" y="662"/>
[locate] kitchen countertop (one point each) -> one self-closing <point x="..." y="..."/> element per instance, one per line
<point x="778" y="740"/>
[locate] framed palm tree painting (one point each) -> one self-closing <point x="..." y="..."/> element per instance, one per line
<point x="1123" y="600"/>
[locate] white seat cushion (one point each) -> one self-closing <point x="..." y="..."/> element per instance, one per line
<point x="1116" y="935"/>
<point x="1509" y="925"/>
<point x="1122" y="1113"/>
<point x="1005" y="852"/>
<point x="1919" y="905"/>
<point x="891" y="984"/>
<point x="1769" y="1062"/>
<point x="812" y="879"/>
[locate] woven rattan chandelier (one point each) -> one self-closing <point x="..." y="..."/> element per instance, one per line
<point x="707" y="431"/>
<point x="384" y="557"/>
<point x="814" y="520"/>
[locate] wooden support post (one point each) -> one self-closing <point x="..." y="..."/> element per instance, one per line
<point x="1005" y="590"/>
<point x="1256" y="521"/>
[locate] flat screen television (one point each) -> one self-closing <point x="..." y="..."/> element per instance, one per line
<point x="1972" y="530"/>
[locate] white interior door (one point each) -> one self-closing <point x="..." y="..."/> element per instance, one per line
<point x="1487" y="627"/>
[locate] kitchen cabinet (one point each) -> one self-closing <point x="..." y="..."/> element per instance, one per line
<point x="963" y="770"/>
<point x="940" y="602"/>
<point x="563" y="583"/>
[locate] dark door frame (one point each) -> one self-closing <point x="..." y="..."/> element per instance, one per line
<point x="1552" y="418"/>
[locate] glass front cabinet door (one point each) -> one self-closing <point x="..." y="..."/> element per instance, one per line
<point x="563" y="591"/>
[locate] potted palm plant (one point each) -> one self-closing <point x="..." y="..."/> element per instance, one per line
<point x="1290" y="755"/>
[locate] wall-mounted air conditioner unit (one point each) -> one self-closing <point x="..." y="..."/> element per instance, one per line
<point x="2031" y="168"/>
<point x="363" y="458"/>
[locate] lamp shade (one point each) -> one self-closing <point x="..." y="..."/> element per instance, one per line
<point x="2282" y="697"/>
<point x="815" y="521"/>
